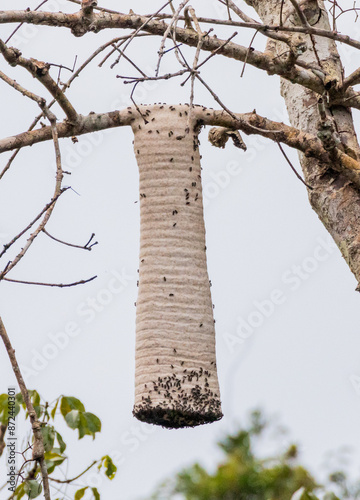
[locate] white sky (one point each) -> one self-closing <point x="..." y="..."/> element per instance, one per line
<point x="301" y="358"/>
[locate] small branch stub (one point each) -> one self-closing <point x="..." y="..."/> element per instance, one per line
<point x="176" y="382"/>
<point x="87" y="6"/>
<point x="218" y="137"/>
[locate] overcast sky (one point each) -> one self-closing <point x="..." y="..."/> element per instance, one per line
<point x="287" y="314"/>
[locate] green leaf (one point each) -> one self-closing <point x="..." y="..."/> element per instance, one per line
<point x="32" y="488"/>
<point x="35" y="397"/>
<point x="39" y="410"/>
<point x="61" y="442"/>
<point x="80" y="493"/>
<point x="83" y="426"/>
<point x="53" y="460"/>
<point x="53" y="411"/>
<point x="4" y="409"/>
<point x="48" y="433"/>
<point x="20" y="400"/>
<point x="72" y="418"/>
<point x="69" y="403"/>
<point x="110" y="467"/>
<point x="20" y="491"/>
<point x="95" y="493"/>
<point x="93" y="423"/>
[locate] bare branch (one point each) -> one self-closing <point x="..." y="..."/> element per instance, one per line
<point x="238" y="52"/>
<point x="143" y="25"/>
<point x="118" y="20"/>
<point x="87" y="245"/>
<point x="292" y="167"/>
<point x="48" y="205"/>
<point x="40" y="71"/>
<point x="68" y="481"/>
<point x="353" y="79"/>
<point x="250" y="123"/>
<point x="39" y="100"/>
<point x="91" y="123"/>
<point x="166" y="33"/>
<point x="57" y="192"/>
<point x="59" y="285"/>
<point x="247" y="19"/>
<point x="19" y="26"/>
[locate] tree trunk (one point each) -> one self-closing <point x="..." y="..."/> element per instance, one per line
<point x="334" y="198"/>
<point x="176" y="383"/>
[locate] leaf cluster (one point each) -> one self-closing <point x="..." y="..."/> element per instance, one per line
<point x="73" y="412"/>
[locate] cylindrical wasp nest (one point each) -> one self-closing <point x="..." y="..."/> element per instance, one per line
<point x="176" y="382"/>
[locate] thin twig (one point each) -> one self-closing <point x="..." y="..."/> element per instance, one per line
<point x="248" y="52"/>
<point x="13" y="83"/>
<point x="68" y="481"/>
<point x="292" y="167"/>
<point x="133" y="35"/>
<point x="248" y="19"/>
<point x="167" y="76"/>
<point x="201" y="36"/>
<point x="166" y="33"/>
<point x="59" y="285"/>
<point x="48" y="205"/>
<point x="136" y="106"/>
<point x="214" y="52"/>
<point x="122" y="54"/>
<point x="57" y="192"/>
<point x="123" y="40"/>
<point x="19" y="26"/>
<point x="83" y="247"/>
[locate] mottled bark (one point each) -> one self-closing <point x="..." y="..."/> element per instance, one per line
<point x="334" y="197"/>
<point x="176" y="382"/>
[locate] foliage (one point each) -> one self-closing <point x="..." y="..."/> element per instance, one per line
<point x="243" y="475"/>
<point x="73" y="412"/>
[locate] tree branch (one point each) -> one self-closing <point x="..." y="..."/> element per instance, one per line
<point x="353" y="79"/>
<point x="232" y="50"/>
<point x="38" y="446"/>
<point x="68" y="481"/>
<point x="40" y="71"/>
<point x="105" y="20"/>
<point x="58" y="285"/>
<point x="48" y="205"/>
<point x="258" y="59"/>
<point x="57" y="192"/>
<point x="249" y="123"/>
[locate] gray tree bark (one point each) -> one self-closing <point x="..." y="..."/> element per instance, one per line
<point x="334" y="197"/>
